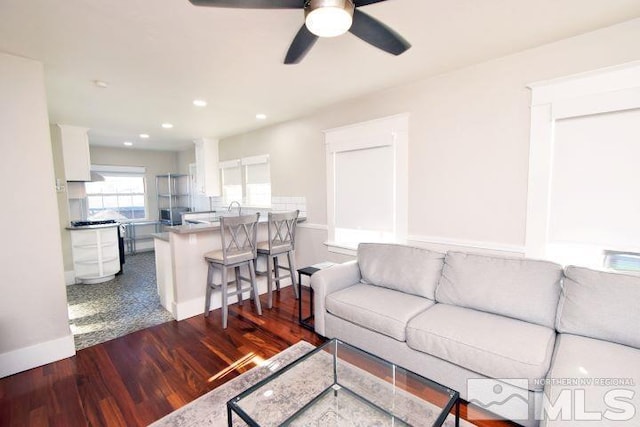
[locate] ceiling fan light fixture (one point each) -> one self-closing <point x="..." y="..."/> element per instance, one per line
<point x="328" y="18"/>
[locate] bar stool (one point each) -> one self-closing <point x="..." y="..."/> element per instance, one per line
<point x="238" y="236"/>
<point x="282" y="237"/>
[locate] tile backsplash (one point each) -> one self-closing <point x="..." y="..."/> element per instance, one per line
<point x="284" y="203"/>
<point x="278" y="203"/>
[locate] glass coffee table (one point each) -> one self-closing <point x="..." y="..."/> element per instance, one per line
<point x="337" y="385"/>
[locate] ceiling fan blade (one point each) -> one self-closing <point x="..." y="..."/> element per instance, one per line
<point x="251" y="4"/>
<point x="377" y="34"/>
<point x="302" y="43"/>
<point x="359" y="3"/>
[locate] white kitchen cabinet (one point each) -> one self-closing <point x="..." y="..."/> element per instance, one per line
<point x="96" y="255"/>
<point x="75" y="153"/>
<point x="207" y="173"/>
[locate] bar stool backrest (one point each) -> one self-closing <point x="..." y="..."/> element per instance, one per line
<point x="282" y="231"/>
<point x="239" y="237"/>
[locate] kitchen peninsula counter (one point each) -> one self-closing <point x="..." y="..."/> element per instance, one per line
<point x="212" y="226"/>
<point x="181" y="269"/>
<point x="193" y="228"/>
<point x="161" y="236"/>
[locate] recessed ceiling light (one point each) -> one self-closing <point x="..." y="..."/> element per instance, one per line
<point x="101" y="84"/>
<point x="199" y="102"/>
<point x="167" y="125"/>
<point x="144" y="135"/>
<point x="261" y="116"/>
<point x="128" y="143"/>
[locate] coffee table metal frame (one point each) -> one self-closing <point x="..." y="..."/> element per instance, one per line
<point x="233" y="405"/>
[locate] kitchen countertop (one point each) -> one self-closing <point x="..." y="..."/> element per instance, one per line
<point x="192" y="228"/>
<point x="199" y="228"/>
<point x="92" y="227"/>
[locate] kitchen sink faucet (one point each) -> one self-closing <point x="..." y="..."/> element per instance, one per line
<point x="239" y="207"/>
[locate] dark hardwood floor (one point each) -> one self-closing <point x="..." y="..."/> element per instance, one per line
<point x="137" y="379"/>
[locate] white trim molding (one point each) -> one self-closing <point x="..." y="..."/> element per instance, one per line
<point x="600" y="91"/>
<point x="70" y="277"/>
<point x="255" y="160"/>
<point x="516" y="250"/>
<point x="312" y="226"/>
<point x="36" y="355"/>
<point x="127" y="170"/>
<point x="341" y="248"/>
<point x="229" y="164"/>
<point x="475" y="244"/>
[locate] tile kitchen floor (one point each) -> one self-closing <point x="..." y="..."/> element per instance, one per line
<point x="128" y="303"/>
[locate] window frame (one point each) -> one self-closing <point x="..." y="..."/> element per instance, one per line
<point x="392" y="131"/>
<point x="244" y="163"/>
<point x="121" y="171"/>
<point x="606" y="90"/>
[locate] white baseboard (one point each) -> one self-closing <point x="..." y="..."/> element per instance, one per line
<point x="36" y="355"/>
<point x="70" y="277"/>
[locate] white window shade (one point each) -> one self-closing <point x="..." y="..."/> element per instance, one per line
<point x="595" y="197"/>
<point x="258" y="184"/>
<point x="258" y="174"/>
<point x="232" y="176"/>
<point x="364" y="193"/>
<point x="367" y="181"/>
<point x="231" y="181"/>
<point x="247" y="180"/>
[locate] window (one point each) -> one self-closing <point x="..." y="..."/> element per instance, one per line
<point x="231" y="181"/>
<point x="120" y="196"/>
<point x="582" y="198"/>
<point x="247" y="180"/>
<point x="257" y="181"/>
<point x="367" y="170"/>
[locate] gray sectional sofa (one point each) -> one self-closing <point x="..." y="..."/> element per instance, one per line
<point x="568" y="338"/>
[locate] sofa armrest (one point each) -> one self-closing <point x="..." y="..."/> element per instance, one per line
<point x="330" y="280"/>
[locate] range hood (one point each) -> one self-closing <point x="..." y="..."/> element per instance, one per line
<point x="95" y="177"/>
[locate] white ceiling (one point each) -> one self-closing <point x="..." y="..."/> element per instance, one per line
<point x="159" y="55"/>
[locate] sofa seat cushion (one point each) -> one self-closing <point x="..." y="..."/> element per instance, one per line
<point x="595" y="368"/>
<point x="380" y="309"/>
<point x="491" y="345"/>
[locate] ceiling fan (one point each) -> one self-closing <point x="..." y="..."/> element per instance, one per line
<point x="325" y="18"/>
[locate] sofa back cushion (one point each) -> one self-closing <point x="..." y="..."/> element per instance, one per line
<point x="600" y="305"/>
<point x="523" y="289"/>
<point x="414" y="271"/>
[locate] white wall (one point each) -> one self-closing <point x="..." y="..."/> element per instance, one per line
<point x="186" y="157"/>
<point x="468" y="143"/>
<point x="34" y="327"/>
<point x="62" y="197"/>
